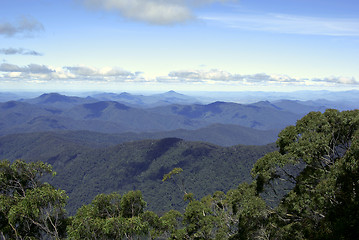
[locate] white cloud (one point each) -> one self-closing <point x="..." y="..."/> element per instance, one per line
<point x="222" y="76"/>
<point x="36" y="72"/>
<point x="25" y="26"/>
<point x="158" y="12"/>
<point x="7" y="67"/>
<point x="289" y="24"/>
<point x="31" y="68"/>
<point x="219" y="76"/>
<point x="198" y="76"/>
<point x="338" y="80"/>
<point x="77" y="73"/>
<point x="85" y="71"/>
<point x="21" y="51"/>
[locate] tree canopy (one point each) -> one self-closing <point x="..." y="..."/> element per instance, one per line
<point x="319" y="156"/>
<point x="30" y="209"/>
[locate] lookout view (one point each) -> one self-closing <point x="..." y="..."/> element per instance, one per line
<point x="179" y="119"/>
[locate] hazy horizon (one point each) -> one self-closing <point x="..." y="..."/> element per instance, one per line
<point x="205" y="97"/>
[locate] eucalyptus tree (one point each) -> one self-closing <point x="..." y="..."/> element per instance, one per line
<point x="319" y="156"/>
<point x="30" y="209"/>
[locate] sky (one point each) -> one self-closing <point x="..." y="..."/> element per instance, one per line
<point x="181" y="45"/>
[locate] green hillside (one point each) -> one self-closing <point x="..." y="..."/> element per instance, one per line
<point x="85" y="170"/>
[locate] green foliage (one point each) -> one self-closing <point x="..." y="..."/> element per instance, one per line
<point x="239" y="214"/>
<point x="180" y="183"/>
<point x="85" y="172"/>
<point x="132" y="204"/>
<point x="30" y="208"/>
<point x="323" y="203"/>
<point x="171" y="220"/>
<point x="249" y="210"/>
<point x="111" y="216"/>
<point x="170" y="174"/>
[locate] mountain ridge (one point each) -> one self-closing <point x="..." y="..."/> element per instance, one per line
<point x="54" y="112"/>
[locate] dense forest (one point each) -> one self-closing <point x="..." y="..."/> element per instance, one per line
<point x="306" y="189"/>
<point x="88" y="164"/>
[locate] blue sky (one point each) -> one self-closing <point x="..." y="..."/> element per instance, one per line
<point x="199" y="45"/>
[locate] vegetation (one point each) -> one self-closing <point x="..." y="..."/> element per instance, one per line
<point x="307" y="189"/>
<point x="84" y="169"/>
<point x="323" y="203"/>
<point x="30" y="209"/>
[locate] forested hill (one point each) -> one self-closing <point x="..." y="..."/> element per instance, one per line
<point x="218" y="134"/>
<point x="85" y="171"/>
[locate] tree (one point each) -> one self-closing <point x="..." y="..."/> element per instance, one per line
<point x="30" y="209"/>
<point x="247" y="213"/>
<point x="132" y="204"/>
<point x="112" y="216"/>
<point x="240" y="214"/>
<point x="319" y="156"/>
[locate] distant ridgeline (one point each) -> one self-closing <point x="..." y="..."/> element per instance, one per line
<point x="136" y="117"/>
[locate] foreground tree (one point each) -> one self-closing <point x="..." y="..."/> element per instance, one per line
<point x="30" y="209"/>
<point x="239" y="214"/>
<point x="308" y="189"/>
<point x="320" y="158"/>
<point x="112" y="216"/>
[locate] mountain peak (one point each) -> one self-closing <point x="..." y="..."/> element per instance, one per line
<point x="171" y="92"/>
<point x="54" y="97"/>
<point x="45" y="95"/>
<point x="125" y="94"/>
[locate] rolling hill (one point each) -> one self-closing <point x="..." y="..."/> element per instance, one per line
<point x="85" y="169"/>
<point x="263" y="117"/>
<point x="56" y="100"/>
<point x="141" y="101"/>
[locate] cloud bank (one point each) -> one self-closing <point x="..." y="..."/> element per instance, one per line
<point x="158" y="12"/>
<point x="31" y="68"/>
<point x="43" y="73"/>
<point x="25" y="26"/>
<point x="84" y="71"/>
<point x="76" y="73"/>
<point x="214" y="76"/>
<point x="19" y="51"/>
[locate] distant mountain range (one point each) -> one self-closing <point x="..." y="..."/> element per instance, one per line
<point x="56" y="100"/>
<point x="154" y="100"/>
<point x="257" y="116"/>
<point x="341" y="100"/>
<point x="224" y="123"/>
